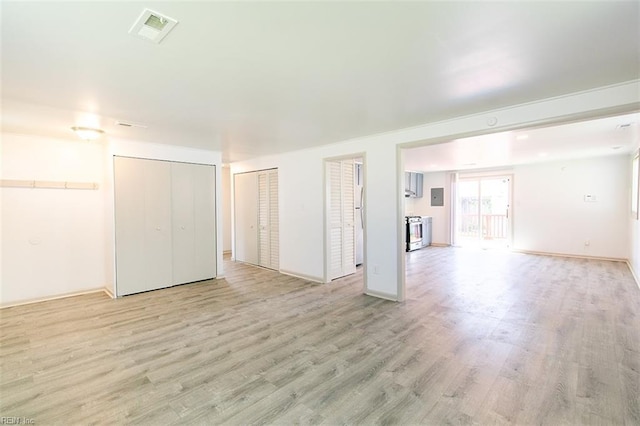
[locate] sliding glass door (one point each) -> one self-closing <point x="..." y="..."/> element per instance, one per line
<point x="482" y="211"/>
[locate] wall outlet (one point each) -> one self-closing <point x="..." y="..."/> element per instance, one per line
<point x="589" y="198"/>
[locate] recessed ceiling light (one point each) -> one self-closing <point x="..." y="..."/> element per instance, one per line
<point x="616" y="147"/>
<point x="522" y="137"/>
<point x="87" y="133"/>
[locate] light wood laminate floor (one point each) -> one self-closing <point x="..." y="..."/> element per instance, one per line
<point x="485" y="337"/>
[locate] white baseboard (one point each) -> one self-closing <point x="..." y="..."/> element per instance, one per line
<point x="60" y="296"/>
<point x="633" y="273"/>
<point x="109" y="293"/>
<point x="381" y="295"/>
<point x="302" y="276"/>
<point x="574" y="256"/>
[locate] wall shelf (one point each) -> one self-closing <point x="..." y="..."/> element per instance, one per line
<point x="44" y="184"/>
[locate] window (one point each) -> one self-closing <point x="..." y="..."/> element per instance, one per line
<point x="635" y="186"/>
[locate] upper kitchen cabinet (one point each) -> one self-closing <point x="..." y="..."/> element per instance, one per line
<point x="413" y="183"/>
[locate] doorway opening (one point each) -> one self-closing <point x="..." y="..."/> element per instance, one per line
<point x="345" y="218"/>
<point x="482" y="210"/>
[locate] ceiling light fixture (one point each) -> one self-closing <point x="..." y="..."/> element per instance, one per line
<point x="87" y="133"/>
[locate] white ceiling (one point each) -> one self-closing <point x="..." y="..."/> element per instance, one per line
<point x="253" y="78"/>
<point x="600" y="137"/>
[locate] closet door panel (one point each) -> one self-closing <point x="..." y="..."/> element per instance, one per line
<point x="157" y="212"/>
<point x="204" y="179"/>
<point x="349" y="217"/>
<point x="246" y="217"/>
<point x="274" y="221"/>
<point x="264" y="246"/>
<point x="129" y="226"/>
<point x="341" y="218"/>
<point x="183" y="223"/>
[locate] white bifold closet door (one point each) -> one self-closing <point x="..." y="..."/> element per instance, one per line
<point x="193" y="214"/>
<point x="164" y="222"/>
<point x="341" y="209"/>
<point x="268" y="227"/>
<point x="246" y="217"/>
<point x="256" y="218"/>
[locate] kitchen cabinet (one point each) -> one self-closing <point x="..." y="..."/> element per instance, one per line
<point x="164" y="224"/>
<point x="413" y="184"/>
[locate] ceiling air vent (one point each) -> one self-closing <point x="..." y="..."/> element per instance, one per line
<point x="152" y="26"/>
<point x="624" y="126"/>
<point x="129" y="124"/>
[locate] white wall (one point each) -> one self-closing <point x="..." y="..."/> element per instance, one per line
<point x="57" y="242"/>
<point x="549" y="211"/>
<point x="439" y="214"/>
<point x="550" y="214"/>
<point x="71" y="245"/>
<point x="53" y="240"/>
<point x="301" y="196"/>
<point x="301" y="183"/>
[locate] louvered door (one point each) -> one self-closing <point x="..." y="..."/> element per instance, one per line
<point x="257" y="218"/>
<point x="341" y="218"/>
<point x="268" y="239"/>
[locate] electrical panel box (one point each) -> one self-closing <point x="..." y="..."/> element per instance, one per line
<point x="437" y="197"/>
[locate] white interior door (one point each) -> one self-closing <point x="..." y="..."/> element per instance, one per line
<point x="184" y="250"/>
<point x="143" y="225"/>
<point x="193" y="217"/>
<point x="341" y="218"/>
<point x="246" y="217"/>
<point x="165" y="224"/>
<point x="268" y="227"/>
<point x="274" y="220"/>
<point x="204" y="180"/>
<point x="129" y="226"/>
<point x="158" y="244"/>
